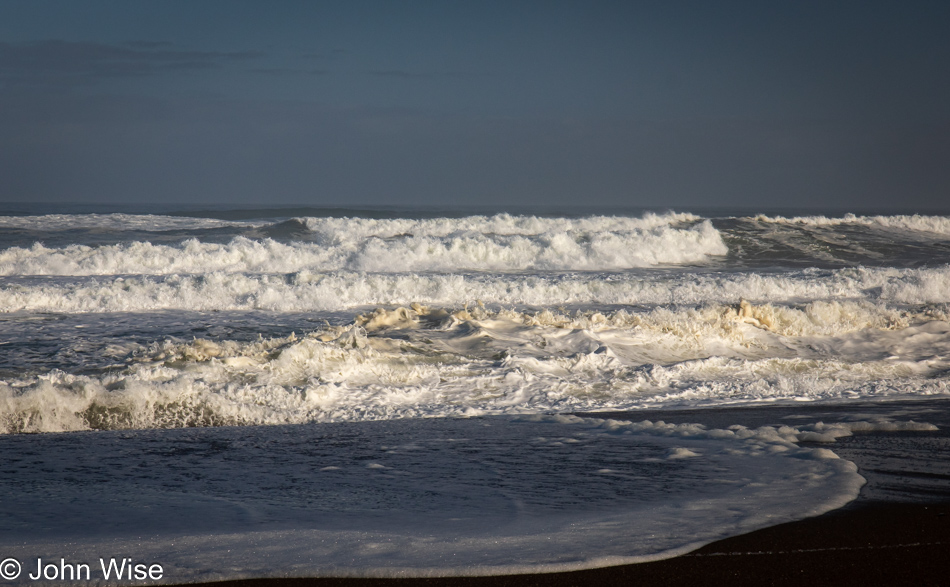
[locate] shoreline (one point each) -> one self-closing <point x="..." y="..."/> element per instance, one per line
<point x="864" y="543"/>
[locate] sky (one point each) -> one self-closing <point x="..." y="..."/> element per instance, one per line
<point x="790" y="104"/>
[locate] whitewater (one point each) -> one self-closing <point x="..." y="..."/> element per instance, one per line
<point x="401" y="394"/>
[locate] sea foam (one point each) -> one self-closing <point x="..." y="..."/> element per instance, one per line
<point x="306" y="290"/>
<point x="500" y="243"/>
<point x="432" y="362"/>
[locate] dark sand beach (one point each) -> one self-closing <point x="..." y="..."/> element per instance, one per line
<point x="867" y="543"/>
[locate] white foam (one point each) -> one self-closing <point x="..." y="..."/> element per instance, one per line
<point x="425" y="362"/>
<point x="114" y="222"/>
<point x="309" y="291"/>
<point x="335" y="231"/>
<point x="499" y="243"/>
<point x="822" y="432"/>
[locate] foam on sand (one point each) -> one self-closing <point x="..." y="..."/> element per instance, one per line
<point x="415" y="498"/>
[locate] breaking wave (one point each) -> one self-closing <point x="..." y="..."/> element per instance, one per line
<point x="308" y="291"/>
<point x="460" y="316"/>
<point x="500" y="243"/>
<point x="428" y="362"/>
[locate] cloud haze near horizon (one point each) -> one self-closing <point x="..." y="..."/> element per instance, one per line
<point x="605" y="104"/>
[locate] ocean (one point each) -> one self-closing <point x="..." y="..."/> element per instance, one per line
<point x="395" y="393"/>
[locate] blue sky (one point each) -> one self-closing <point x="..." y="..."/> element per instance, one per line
<point x="631" y="104"/>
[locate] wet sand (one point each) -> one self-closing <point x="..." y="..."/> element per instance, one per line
<point x="866" y="543"/>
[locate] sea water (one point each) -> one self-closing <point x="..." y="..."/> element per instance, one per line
<point x="380" y="393"/>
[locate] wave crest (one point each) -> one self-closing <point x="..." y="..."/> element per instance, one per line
<point x="307" y="291"/>
<point x="446" y="362"/>
<point x="499" y="243"/>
